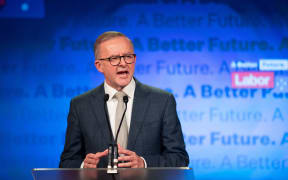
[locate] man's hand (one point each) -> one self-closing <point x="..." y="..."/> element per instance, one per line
<point x="91" y="160"/>
<point x="131" y="158"/>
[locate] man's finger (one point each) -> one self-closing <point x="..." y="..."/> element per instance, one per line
<point x="90" y="166"/>
<point x="101" y="154"/>
<point x="126" y="152"/>
<point x="127" y="164"/>
<point x="126" y="158"/>
<point x="91" y="161"/>
<point x="93" y="156"/>
<point x="90" y="155"/>
<point x="119" y="146"/>
<point x="134" y="164"/>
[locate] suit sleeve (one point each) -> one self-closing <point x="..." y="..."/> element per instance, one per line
<point x="173" y="146"/>
<point x="73" y="153"/>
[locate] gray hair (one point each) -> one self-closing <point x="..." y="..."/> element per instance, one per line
<point x="107" y="36"/>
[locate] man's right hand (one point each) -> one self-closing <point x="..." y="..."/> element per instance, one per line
<point x="91" y="160"/>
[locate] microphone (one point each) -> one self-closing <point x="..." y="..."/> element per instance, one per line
<point x="113" y="148"/>
<point x="110" y="148"/>
<point x="106" y="98"/>
<point x="125" y="99"/>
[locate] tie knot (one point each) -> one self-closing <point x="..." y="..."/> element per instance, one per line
<point x="119" y="96"/>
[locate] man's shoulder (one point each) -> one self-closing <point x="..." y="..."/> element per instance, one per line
<point x="152" y="91"/>
<point x="156" y="96"/>
<point x="155" y="90"/>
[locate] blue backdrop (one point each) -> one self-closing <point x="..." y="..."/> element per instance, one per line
<point x="225" y="61"/>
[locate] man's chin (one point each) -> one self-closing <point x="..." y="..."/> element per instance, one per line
<point x="124" y="82"/>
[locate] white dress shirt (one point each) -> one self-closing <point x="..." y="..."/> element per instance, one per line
<point x="112" y="103"/>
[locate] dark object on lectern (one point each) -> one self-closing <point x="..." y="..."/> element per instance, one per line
<point x="123" y="173"/>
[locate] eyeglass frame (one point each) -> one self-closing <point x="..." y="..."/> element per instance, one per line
<point x="120" y="57"/>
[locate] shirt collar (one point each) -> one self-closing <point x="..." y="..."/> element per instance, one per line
<point x="129" y="89"/>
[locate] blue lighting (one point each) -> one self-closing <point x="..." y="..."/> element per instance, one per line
<point x="25" y="7"/>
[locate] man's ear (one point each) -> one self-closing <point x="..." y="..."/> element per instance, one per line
<point x="98" y="65"/>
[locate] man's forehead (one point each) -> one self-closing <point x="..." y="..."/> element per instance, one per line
<point x="116" y="44"/>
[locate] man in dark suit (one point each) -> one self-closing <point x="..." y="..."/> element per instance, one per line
<point x="154" y="136"/>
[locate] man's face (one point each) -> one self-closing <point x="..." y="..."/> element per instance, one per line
<point x="116" y="76"/>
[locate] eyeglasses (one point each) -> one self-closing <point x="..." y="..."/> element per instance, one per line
<point x="115" y="60"/>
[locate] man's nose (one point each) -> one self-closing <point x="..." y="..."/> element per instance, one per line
<point x="122" y="61"/>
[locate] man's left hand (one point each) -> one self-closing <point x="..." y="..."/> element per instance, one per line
<point x="131" y="159"/>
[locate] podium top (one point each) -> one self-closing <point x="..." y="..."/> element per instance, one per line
<point x="123" y="174"/>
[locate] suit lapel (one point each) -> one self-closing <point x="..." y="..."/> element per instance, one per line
<point x="97" y="102"/>
<point x="140" y="106"/>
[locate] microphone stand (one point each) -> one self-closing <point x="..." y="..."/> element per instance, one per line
<point x="113" y="148"/>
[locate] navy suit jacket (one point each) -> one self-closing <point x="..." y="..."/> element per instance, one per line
<point x="155" y="131"/>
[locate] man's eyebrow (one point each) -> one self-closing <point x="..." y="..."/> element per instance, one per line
<point x="113" y="55"/>
<point x="128" y="53"/>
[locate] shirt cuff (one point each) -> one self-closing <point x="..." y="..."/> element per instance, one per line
<point x="82" y="165"/>
<point x="145" y="164"/>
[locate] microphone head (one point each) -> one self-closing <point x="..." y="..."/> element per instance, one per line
<point x="106" y="97"/>
<point x="125" y="99"/>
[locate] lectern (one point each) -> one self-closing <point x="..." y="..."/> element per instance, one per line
<point x="123" y="174"/>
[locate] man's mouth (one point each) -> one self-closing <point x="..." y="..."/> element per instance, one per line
<point x="122" y="72"/>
